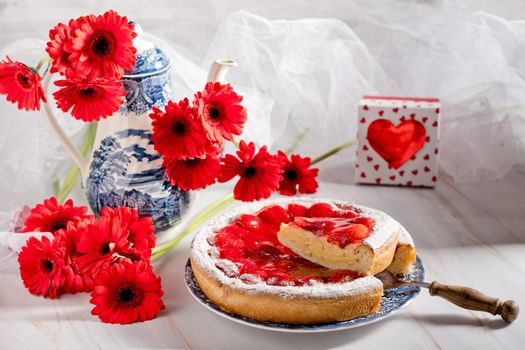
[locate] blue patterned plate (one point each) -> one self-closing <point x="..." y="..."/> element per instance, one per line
<point x="393" y="300"/>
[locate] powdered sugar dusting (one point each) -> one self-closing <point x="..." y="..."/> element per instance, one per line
<point x="250" y="279"/>
<point x="405" y="237"/>
<point x="383" y="229"/>
<point x="214" y="253"/>
<point x="228" y="267"/>
<point x="204" y="254"/>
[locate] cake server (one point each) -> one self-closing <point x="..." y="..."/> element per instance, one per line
<point x="465" y="297"/>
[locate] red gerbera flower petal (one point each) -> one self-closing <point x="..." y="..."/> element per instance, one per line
<point x="219" y="108"/>
<point x="194" y="173"/>
<point x="127" y="293"/>
<point x="104" y="243"/>
<point x="76" y="281"/>
<point x="176" y="133"/>
<point x="102" y="46"/>
<point x="259" y="173"/>
<point x="91" y="100"/>
<point x="140" y="230"/>
<point x="297" y="175"/>
<point x="42" y="267"/>
<point x="21" y="85"/>
<point x="50" y="216"/>
<point x="61" y="36"/>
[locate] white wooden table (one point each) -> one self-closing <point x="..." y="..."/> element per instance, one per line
<point x="470" y="235"/>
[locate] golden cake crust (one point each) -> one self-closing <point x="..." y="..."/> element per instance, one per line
<point x="294" y="309"/>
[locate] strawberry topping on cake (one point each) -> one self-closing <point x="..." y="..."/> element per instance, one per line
<point x="337" y="230"/>
<point x="250" y="242"/>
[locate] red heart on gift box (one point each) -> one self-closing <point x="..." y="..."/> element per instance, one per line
<point x="396" y="144"/>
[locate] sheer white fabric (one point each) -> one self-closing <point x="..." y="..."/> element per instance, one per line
<point x="309" y="74"/>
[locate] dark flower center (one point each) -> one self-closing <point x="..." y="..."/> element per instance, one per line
<point x="87" y="92"/>
<point x="103" y="43"/>
<point x="291" y="174"/>
<point x="192" y="161"/>
<point x="214" y="113"/>
<point x="58" y="224"/>
<point x="105" y="248"/>
<point x="179" y="128"/>
<point x="129" y="296"/>
<point x="249" y="171"/>
<point x="46" y="265"/>
<point x="23" y="80"/>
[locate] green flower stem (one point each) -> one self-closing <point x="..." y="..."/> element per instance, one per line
<point x="204" y="216"/>
<point x="334" y="151"/>
<point x="209" y="212"/>
<point x="73" y="173"/>
<point x="42" y="61"/>
<point x="297" y="141"/>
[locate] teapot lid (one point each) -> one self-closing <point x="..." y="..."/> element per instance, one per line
<point x="150" y="59"/>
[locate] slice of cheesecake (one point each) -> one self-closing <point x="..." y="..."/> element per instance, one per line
<point x="365" y="243"/>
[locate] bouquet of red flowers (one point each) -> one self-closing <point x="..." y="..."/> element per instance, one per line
<point x="191" y="138"/>
<point x="110" y="256"/>
<point x="91" y="53"/>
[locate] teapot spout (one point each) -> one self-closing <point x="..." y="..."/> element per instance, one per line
<point x="219" y="68"/>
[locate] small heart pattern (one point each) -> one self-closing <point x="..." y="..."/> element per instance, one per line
<point x="398" y="141"/>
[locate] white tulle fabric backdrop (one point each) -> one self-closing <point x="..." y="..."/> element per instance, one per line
<point x="309" y="74"/>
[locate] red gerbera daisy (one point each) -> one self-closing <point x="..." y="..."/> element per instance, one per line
<point x="104" y="243"/>
<point x="297" y="175"/>
<point x="219" y="108"/>
<point x="21" y="85"/>
<point x="61" y="36"/>
<point x="102" y="46"/>
<point x="50" y="216"/>
<point x="193" y="173"/>
<point x="76" y="281"/>
<point x="259" y="173"/>
<point x="140" y="230"/>
<point x="91" y="100"/>
<point x="127" y="293"/>
<point x="42" y="267"/>
<point x="176" y="133"/>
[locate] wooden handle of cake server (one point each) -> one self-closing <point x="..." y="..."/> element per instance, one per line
<point x="472" y="299"/>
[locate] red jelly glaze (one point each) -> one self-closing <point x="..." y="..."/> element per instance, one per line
<point x="341" y="231"/>
<point x="250" y="241"/>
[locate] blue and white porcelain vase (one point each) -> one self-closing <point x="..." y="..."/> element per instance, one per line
<point x="124" y="168"/>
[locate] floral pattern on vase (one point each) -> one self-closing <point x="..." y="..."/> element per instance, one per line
<point x="148" y="84"/>
<point x="111" y="183"/>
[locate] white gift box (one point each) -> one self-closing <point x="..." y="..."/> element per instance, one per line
<point x="398" y="141"/>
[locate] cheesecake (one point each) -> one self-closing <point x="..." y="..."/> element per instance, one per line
<point x="299" y="260"/>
